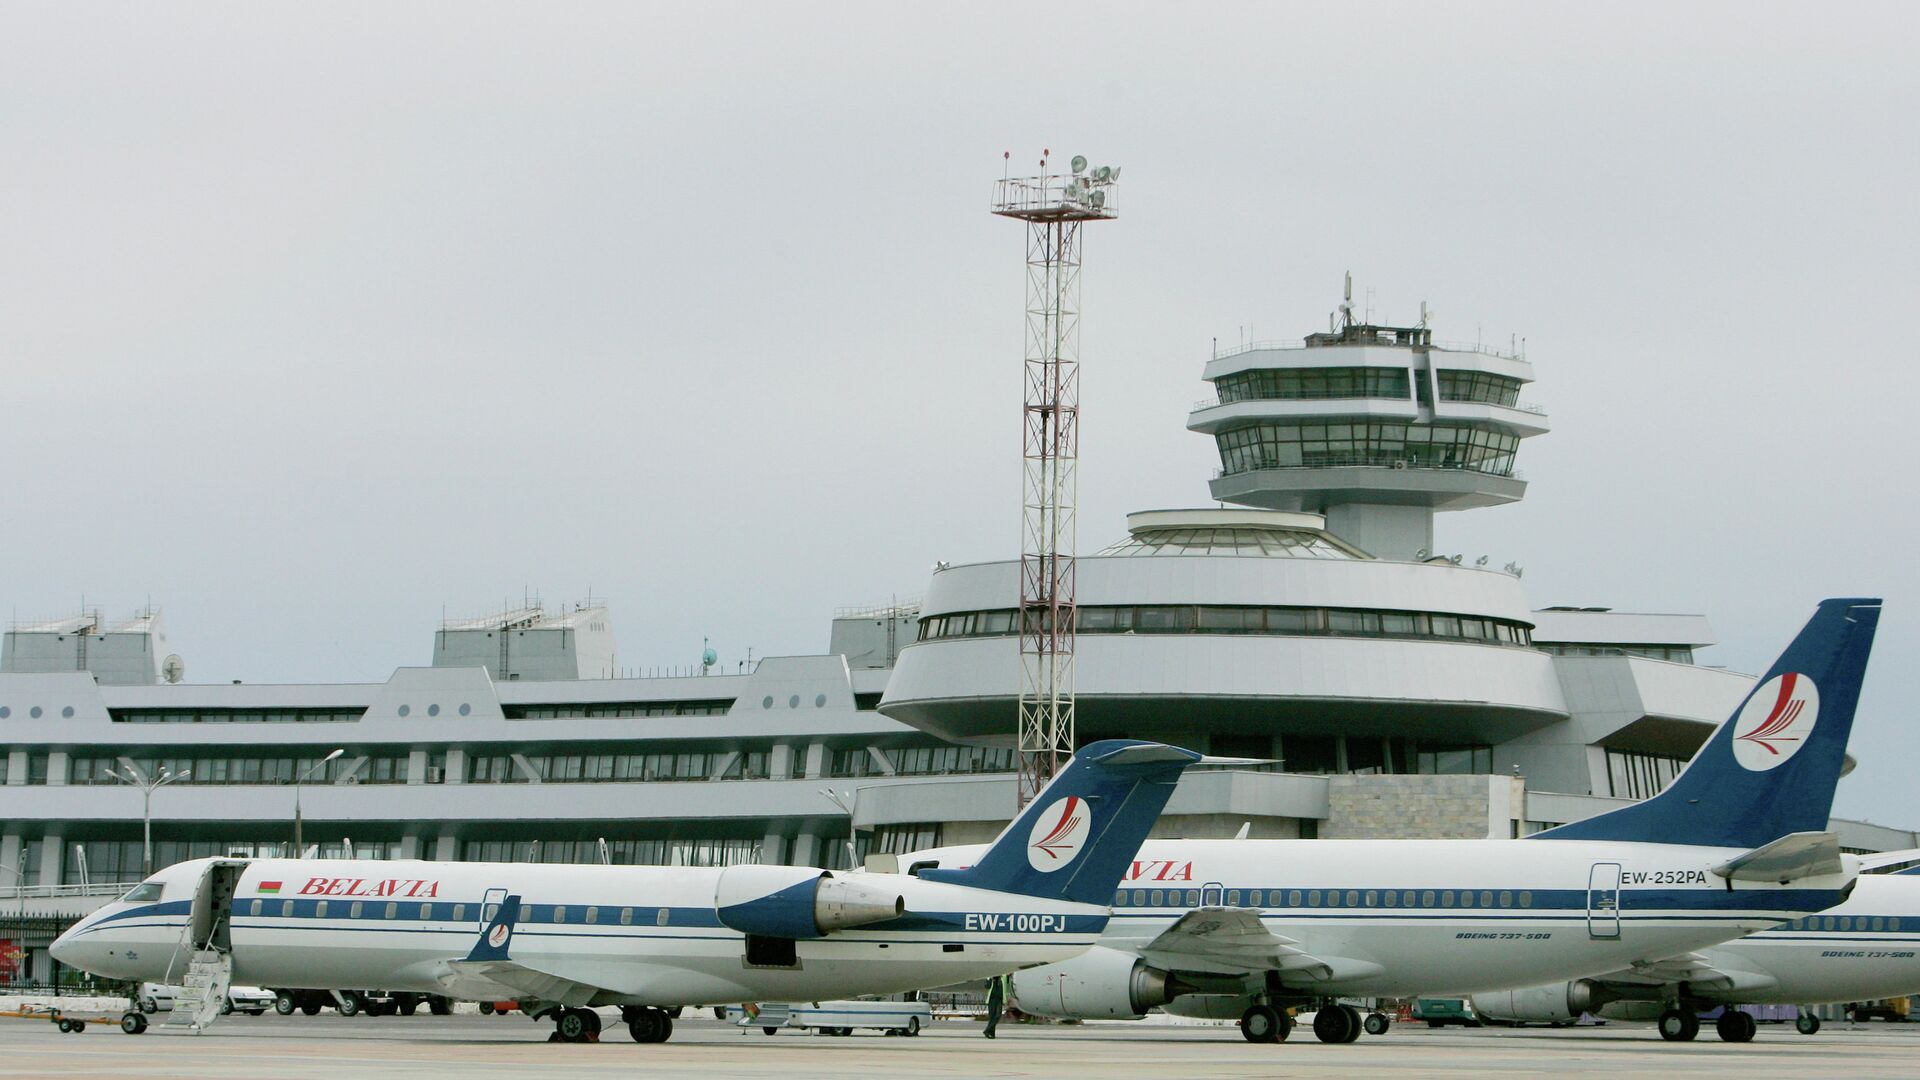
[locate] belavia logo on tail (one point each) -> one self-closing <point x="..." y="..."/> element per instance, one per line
<point x="1059" y="833"/>
<point x="1776" y="722"/>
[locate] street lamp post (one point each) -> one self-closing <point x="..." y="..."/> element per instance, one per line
<point x="147" y="785"/>
<point x="298" y="846"/>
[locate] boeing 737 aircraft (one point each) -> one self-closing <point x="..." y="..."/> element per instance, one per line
<point x="561" y="939"/>
<point x="1865" y="949"/>
<point x="1737" y="843"/>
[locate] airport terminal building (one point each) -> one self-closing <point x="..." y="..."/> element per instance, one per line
<point x="1306" y="618"/>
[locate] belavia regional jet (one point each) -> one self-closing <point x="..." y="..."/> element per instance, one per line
<point x="1863" y="950"/>
<point x="562" y="939"/>
<point x="1737" y="843"/>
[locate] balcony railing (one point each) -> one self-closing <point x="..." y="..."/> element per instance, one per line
<point x="1213" y="402"/>
<point x="1445" y="346"/>
<point x="48" y="892"/>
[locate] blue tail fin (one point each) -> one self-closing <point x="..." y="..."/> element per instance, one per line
<point x="1078" y="838"/>
<point x="498" y="935"/>
<point x="1771" y="768"/>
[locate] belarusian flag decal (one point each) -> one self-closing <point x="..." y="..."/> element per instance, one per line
<point x="269" y="887"/>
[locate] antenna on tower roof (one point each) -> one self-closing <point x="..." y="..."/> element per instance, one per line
<point x="1346" y="304"/>
<point x="1424" y="314"/>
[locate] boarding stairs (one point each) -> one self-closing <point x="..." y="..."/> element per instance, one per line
<point x="197" y="1005"/>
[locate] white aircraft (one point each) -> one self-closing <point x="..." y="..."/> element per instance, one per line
<point x="1736" y="844"/>
<point x="562" y="939"/>
<point x="1865" y="949"/>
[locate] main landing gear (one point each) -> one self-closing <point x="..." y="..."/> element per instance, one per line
<point x="1679" y="1025"/>
<point x="1337" y="1024"/>
<point x="1807" y="1024"/>
<point x="576" y="1026"/>
<point x="647" y="1024"/>
<point x="1265" y="1024"/>
<point x="1735" y="1026"/>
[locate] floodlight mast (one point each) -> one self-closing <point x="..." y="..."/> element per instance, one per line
<point x="1054" y="206"/>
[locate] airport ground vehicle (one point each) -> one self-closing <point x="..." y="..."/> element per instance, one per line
<point x="1442" y="1012"/>
<point x="833" y="1017"/>
<point x="359" y="1002"/>
<point x="251" y="1000"/>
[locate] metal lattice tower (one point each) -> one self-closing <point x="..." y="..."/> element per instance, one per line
<point x="1054" y="206"/>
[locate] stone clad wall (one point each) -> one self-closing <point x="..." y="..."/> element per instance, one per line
<point x="1421" y="807"/>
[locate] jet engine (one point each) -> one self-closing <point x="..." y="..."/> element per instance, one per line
<point x="1101" y="983"/>
<point x="1554" y="1003"/>
<point x="796" y="902"/>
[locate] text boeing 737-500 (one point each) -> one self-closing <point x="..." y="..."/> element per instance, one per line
<point x="1737" y="843"/>
<point x="562" y="939"/>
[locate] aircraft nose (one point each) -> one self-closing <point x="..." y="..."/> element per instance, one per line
<point x="65" y="950"/>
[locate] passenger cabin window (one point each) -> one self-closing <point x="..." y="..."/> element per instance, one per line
<point x="661" y="919"/>
<point x="626" y="916"/>
<point x="256" y="908"/>
<point x="426" y="912"/>
<point x="560" y="914"/>
<point x="393" y="909"/>
<point x="286" y="909"/>
<point x="459" y="913"/>
<point x="320" y="910"/>
<point x="354" y="911"/>
<point x="593" y="915"/>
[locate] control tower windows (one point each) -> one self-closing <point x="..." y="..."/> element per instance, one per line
<point x="1479" y="386"/>
<point x="1277" y="621"/>
<point x="1379" y="445"/>
<point x="1311" y="384"/>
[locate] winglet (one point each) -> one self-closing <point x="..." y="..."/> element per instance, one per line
<point x="498" y="936"/>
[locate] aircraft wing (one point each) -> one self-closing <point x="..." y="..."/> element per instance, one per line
<point x="1232" y="941"/>
<point x="1703" y="972"/>
<point x="526" y="981"/>
<point x="488" y="963"/>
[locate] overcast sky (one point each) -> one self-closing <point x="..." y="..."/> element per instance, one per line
<point x="319" y="320"/>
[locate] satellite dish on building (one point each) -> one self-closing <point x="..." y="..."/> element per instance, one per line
<point x="1079" y="164"/>
<point x="709" y="657"/>
<point x="173" y="669"/>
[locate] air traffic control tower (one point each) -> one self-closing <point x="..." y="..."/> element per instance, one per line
<point x="1374" y="427"/>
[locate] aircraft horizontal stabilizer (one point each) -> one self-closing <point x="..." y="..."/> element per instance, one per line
<point x="1231" y="941"/>
<point x="1793" y="856"/>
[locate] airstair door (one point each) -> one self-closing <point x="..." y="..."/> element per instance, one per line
<point x="1603" y="900"/>
<point x="211" y="924"/>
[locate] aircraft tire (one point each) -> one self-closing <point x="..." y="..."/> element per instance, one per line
<point x="1735" y="1026"/>
<point x="650" y="1025"/>
<point x="1260" y="1024"/>
<point x="1807" y="1024"/>
<point x="1376" y="1024"/>
<point x="1679" y="1025"/>
<point x="311" y="1008"/>
<point x="133" y="1022"/>
<point x="1336" y="1024"/>
<point x="486" y="1008"/>
<point x="571" y="1025"/>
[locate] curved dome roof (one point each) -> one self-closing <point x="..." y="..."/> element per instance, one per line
<point x="1258" y="534"/>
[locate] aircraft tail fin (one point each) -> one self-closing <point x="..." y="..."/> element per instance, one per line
<point x="1078" y="838"/>
<point x="497" y="938"/>
<point x="1770" y="769"/>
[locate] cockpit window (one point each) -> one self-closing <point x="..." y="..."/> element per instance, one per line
<point x="146" y="890"/>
